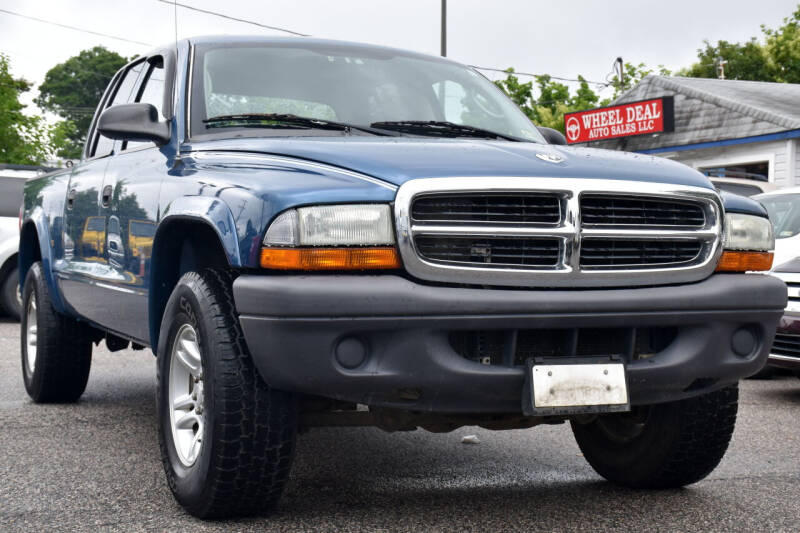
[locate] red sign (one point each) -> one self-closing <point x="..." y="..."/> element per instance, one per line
<point x="624" y="120"/>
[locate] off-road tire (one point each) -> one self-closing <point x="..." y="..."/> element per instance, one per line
<point x="679" y="443"/>
<point x="63" y="347"/>
<point x="249" y="429"/>
<point x="8" y="294"/>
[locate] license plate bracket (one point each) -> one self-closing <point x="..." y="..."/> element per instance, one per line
<point x="571" y="385"/>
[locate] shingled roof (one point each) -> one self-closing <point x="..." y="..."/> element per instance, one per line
<point x="713" y="110"/>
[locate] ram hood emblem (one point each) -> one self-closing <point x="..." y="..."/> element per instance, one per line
<point x="550" y="158"/>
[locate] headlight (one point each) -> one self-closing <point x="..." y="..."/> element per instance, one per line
<point x="332" y="225"/>
<point x="748" y="244"/>
<point x="748" y="232"/>
<point x="331" y="237"/>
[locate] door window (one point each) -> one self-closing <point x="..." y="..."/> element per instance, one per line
<point x="150" y="92"/>
<point x="103" y="145"/>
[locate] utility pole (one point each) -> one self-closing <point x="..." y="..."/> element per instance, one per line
<point x="721" y="68"/>
<point x="444" y="28"/>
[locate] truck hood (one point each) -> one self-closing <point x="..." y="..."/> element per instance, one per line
<point x="399" y="159"/>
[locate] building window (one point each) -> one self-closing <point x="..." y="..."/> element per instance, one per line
<point x="758" y="171"/>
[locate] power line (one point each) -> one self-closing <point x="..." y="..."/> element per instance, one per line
<point x="559" y="78"/>
<point x="222" y="15"/>
<point x="7" y="12"/>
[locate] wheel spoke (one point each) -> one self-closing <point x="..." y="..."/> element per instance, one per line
<point x="187" y="421"/>
<point x="189" y="355"/>
<point x="194" y="447"/>
<point x="182" y="403"/>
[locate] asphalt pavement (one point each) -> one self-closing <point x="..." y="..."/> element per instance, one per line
<point x="95" y="465"/>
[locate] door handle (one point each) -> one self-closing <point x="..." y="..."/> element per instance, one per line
<point x="71" y="199"/>
<point x="107" y="195"/>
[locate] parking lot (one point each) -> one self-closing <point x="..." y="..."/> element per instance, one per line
<point x="96" y="465"/>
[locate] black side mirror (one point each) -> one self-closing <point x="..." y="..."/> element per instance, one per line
<point x="551" y="136"/>
<point x="133" y="122"/>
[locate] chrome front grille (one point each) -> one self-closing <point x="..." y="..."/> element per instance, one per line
<point x="557" y="232"/>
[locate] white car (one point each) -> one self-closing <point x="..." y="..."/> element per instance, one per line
<point x="783" y="207"/>
<point x="10" y="200"/>
<point x="12" y="181"/>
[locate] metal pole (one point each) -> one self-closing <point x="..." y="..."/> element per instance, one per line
<point x="444" y="28"/>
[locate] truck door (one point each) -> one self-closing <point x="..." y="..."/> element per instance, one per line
<point x="132" y="184"/>
<point x="84" y="277"/>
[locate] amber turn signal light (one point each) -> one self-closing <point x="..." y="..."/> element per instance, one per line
<point x="744" y="261"/>
<point x="330" y="258"/>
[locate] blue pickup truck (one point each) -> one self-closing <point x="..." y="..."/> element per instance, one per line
<point x="315" y="233"/>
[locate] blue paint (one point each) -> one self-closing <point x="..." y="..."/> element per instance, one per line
<point x="210" y="211"/>
<point x="741" y="204"/>
<point x="399" y="159"/>
<point x="99" y="255"/>
<point x="791" y="134"/>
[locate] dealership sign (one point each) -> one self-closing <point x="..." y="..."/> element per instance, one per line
<point x="634" y="118"/>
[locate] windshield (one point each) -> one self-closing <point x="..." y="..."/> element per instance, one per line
<point x="347" y="84"/>
<point x="784" y="213"/>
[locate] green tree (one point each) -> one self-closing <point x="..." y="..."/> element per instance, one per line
<point x="73" y="89"/>
<point x="745" y="61"/>
<point x="783" y="49"/>
<point x="23" y="138"/>
<point x="553" y="101"/>
<point x="776" y="59"/>
<point x="633" y="74"/>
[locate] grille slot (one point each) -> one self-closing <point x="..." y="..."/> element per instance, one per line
<point x="515" y="347"/>
<point x="489" y="251"/>
<point x="492" y="208"/>
<point x="635" y="253"/>
<point x="621" y="211"/>
<point x="785" y="344"/>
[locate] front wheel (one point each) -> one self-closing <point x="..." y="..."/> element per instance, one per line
<point x="226" y="438"/>
<point x="661" y="446"/>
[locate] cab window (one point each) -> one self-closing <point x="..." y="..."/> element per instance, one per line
<point x="122" y="95"/>
<point x="151" y="92"/>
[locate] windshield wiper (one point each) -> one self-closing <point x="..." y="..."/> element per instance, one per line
<point x="441" y="128"/>
<point x="284" y="120"/>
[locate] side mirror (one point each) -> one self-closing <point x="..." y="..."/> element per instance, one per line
<point x="133" y="122"/>
<point x="551" y="136"/>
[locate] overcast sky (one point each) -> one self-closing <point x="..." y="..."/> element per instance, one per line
<point x="561" y="38"/>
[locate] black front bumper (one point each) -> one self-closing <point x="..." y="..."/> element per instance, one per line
<point x="385" y="340"/>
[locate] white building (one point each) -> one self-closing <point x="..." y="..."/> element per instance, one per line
<point x="723" y="127"/>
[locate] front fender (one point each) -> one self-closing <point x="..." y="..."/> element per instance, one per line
<point x="210" y="211"/>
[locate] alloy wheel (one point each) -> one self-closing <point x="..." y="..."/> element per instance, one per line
<point x="186" y="397"/>
<point x="31" y="334"/>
